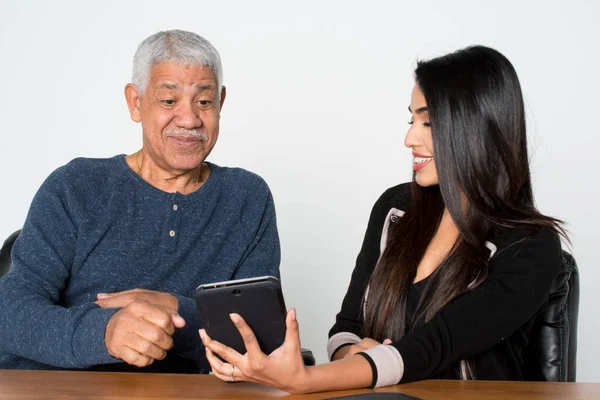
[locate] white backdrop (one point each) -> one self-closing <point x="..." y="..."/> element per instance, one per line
<point x="316" y="104"/>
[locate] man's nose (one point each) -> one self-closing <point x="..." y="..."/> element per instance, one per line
<point x="188" y="117"/>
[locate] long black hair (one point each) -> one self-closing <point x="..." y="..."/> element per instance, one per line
<point x="477" y="119"/>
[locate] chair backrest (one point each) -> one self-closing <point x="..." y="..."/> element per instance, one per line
<point x="552" y="353"/>
<point x="5" y="253"/>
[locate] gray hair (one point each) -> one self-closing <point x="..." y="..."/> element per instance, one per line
<point x="178" y="47"/>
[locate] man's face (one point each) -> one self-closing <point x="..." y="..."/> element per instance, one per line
<point x="180" y="113"/>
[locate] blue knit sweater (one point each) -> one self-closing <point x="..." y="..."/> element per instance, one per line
<point x="95" y="226"/>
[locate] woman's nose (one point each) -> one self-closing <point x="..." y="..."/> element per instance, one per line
<point x="410" y="140"/>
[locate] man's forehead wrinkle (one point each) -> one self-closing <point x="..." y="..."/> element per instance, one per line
<point x="205" y="87"/>
<point x="167" y="85"/>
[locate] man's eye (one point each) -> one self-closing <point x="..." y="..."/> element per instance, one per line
<point x="204" y="104"/>
<point x="168" y="102"/>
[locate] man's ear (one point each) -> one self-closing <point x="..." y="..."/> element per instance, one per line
<point x="133" y="102"/>
<point x="223" y="95"/>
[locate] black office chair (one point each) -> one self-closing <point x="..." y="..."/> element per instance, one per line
<point x="5" y="253"/>
<point x="552" y="353"/>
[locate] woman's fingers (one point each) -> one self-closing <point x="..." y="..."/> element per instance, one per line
<point x="220" y="369"/>
<point x="224" y="371"/>
<point x="292" y="333"/>
<point x="227" y="353"/>
<point x="365" y="344"/>
<point x="215" y="362"/>
<point x="353" y="349"/>
<point x="280" y="369"/>
<point x="255" y="366"/>
<point x="252" y="346"/>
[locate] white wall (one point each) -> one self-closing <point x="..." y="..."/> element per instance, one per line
<point x="317" y="97"/>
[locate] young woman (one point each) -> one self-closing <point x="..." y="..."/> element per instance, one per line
<point x="454" y="267"/>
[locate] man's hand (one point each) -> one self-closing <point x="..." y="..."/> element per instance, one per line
<point x="122" y="299"/>
<point x="140" y="332"/>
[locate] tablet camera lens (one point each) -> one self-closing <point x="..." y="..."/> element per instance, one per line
<point x="237" y="292"/>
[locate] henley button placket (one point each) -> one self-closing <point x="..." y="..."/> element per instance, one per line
<point x="173" y="222"/>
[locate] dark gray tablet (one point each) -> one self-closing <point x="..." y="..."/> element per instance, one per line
<point x="258" y="300"/>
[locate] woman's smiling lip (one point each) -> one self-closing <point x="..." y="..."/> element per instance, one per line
<point x="420" y="155"/>
<point x="418" y="166"/>
<point x="420" y="161"/>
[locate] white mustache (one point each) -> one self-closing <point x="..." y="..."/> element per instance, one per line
<point x="192" y="132"/>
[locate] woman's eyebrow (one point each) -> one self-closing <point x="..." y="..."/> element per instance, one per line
<point x="418" y="110"/>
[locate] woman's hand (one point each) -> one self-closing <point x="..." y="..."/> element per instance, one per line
<point x="363" y="345"/>
<point x="283" y="368"/>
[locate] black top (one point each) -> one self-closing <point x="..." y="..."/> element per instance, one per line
<point x="489" y="325"/>
<point x="415" y="291"/>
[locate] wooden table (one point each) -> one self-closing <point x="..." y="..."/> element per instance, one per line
<point x="18" y="385"/>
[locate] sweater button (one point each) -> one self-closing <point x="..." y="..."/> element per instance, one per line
<point x="174" y="207"/>
<point x="172" y="233"/>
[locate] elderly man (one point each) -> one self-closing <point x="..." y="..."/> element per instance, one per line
<point x="104" y="271"/>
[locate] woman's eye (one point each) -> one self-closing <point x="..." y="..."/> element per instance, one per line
<point x="426" y="124"/>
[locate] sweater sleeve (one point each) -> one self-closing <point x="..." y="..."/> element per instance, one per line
<point x="348" y="326"/>
<point x="519" y="283"/>
<point x="33" y="324"/>
<point x="263" y="254"/>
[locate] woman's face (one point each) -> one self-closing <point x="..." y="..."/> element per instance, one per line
<point x="418" y="139"/>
